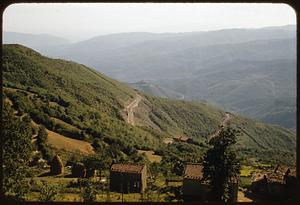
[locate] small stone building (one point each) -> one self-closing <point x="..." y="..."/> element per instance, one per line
<point x="280" y="183"/>
<point x="193" y="184"/>
<point x="195" y="187"/>
<point x="57" y="166"/>
<point x="128" y="178"/>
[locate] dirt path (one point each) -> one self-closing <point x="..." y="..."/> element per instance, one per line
<point x="223" y="123"/>
<point x="129" y="109"/>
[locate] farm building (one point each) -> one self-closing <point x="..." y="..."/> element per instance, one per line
<point x="279" y="183"/>
<point x="128" y="178"/>
<point x="193" y="184"/>
<point x="195" y="187"/>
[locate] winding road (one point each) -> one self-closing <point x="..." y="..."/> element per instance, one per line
<point x="223" y="123"/>
<point x="135" y="103"/>
<point x="129" y="109"/>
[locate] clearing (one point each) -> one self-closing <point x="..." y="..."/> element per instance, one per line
<point x="151" y="156"/>
<point x="61" y="142"/>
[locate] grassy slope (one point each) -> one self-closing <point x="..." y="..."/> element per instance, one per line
<point x="96" y="102"/>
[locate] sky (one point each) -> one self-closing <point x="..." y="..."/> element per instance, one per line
<point x="81" y="21"/>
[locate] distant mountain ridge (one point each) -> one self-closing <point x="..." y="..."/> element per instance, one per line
<point x="48" y="89"/>
<point x="194" y="63"/>
<point x="40" y="42"/>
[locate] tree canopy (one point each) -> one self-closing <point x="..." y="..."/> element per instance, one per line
<point x="17" y="149"/>
<point x="220" y="163"/>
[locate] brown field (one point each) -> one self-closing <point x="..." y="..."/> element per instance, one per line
<point x="151" y="156"/>
<point x="72" y="145"/>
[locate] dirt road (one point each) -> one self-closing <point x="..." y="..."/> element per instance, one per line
<point x="223" y="123"/>
<point x="129" y="109"/>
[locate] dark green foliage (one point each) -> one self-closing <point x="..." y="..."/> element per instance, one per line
<point x="17" y="149"/>
<point x="42" y="118"/>
<point x="89" y="190"/>
<point x="42" y="143"/>
<point x="188" y="118"/>
<point x="48" y="193"/>
<point x="221" y="164"/>
<point x="94" y="104"/>
<point x="42" y="136"/>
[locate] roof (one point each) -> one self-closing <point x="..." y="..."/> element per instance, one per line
<point x="127" y="168"/>
<point x="276" y="175"/>
<point x="193" y="171"/>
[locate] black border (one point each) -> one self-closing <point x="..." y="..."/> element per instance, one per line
<point x="292" y="3"/>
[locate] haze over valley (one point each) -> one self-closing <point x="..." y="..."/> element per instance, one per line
<point x="247" y="71"/>
<point x="149" y="102"/>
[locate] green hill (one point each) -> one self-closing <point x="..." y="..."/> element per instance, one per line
<point x="78" y="102"/>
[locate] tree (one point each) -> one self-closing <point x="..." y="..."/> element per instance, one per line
<point x="17" y="149"/>
<point x="48" y="193"/>
<point x="42" y="143"/>
<point x="42" y="136"/>
<point x="88" y="190"/>
<point x="220" y="163"/>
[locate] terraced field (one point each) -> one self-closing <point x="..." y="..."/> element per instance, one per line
<point x="61" y="142"/>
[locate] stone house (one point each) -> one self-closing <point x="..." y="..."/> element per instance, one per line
<point x="193" y="184"/>
<point x="280" y="183"/>
<point x="195" y="187"/>
<point x="128" y="178"/>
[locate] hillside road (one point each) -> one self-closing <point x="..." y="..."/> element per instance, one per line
<point x="130" y="108"/>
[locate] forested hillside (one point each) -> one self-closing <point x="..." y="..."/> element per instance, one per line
<point x="74" y="101"/>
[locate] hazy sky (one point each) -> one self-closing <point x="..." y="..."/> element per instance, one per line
<point x="82" y="20"/>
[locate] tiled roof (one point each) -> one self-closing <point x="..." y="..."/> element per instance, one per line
<point x="127" y="168"/>
<point x="273" y="176"/>
<point x="193" y="171"/>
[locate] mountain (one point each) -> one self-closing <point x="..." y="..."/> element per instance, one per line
<point x="135" y="56"/>
<point x="178" y="62"/>
<point x="75" y="101"/>
<point x="40" y="42"/>
<point x="154" y="89"/>
<point x="263" y="90"/>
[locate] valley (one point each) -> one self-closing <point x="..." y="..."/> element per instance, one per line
<point x="89" y="116"/>
<point x="216" y="66"/>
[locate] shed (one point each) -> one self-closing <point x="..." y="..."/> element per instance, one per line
<point x="196" y="187"/>
<point x="128" y="178"/>
<point x="193" y="184"/>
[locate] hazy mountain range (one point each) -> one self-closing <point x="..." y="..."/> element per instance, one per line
<point x="249" y="71"/>
<point x="73" y="100"/>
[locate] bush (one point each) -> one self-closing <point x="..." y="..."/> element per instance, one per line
<point x="48" y="193"/>
<point x="88" y="190"/>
